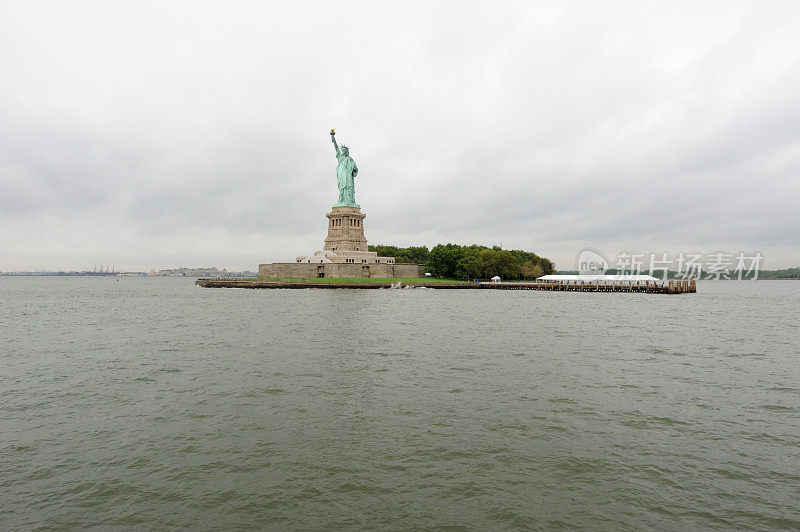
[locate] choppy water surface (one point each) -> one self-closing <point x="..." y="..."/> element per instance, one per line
<point x="151" y="403"/>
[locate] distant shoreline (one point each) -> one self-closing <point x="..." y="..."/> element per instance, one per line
<point x="246" y="277"/>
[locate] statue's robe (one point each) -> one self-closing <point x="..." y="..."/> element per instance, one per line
<point x="346" y="170"/>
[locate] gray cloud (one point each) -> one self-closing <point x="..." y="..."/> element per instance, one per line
<point x="152" y="134"/>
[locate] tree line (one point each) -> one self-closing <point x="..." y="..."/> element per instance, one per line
<point x="788" y="273"/>
<point x="453" y="261"/>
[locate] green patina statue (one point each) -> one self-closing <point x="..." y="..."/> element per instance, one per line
<point x="346" y="171"/>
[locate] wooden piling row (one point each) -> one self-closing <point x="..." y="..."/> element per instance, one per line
<point x="648" y="287"/>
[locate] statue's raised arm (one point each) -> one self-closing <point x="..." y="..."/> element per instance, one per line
<point x="333" y="139"/>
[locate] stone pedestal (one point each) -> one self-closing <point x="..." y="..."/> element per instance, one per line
<point x="345" y="254"/>
<point x="345" y="230"/>
<point x="346" y="243"/>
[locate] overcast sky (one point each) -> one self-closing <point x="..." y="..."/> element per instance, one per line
<point x="162" y="134"/>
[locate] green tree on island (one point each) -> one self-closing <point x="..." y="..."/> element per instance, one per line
<point x="453" y="261"/>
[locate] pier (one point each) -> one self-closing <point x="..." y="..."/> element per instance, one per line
<point x="648" y="287"/>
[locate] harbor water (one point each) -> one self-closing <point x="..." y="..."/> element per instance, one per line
<point x="152" y="403"/>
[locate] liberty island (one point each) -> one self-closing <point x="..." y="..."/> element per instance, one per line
<point x="346" y="255"/>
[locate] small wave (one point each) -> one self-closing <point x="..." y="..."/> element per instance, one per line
<point x="745" y="355"/>
<point x="779" y="408"/>
<point x="730" y="474"/>
<point x="644" y="421"/>
<point x="563" y="400"/>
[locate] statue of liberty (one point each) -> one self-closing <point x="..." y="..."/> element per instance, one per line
<point x="346" y="171"/>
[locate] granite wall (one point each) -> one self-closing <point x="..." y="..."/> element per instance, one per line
<point x="332" y="269"/>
